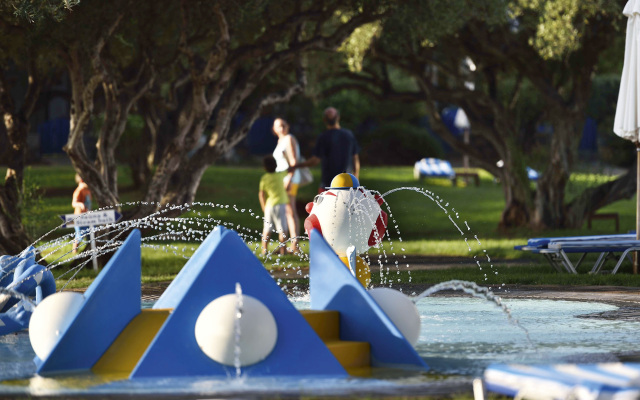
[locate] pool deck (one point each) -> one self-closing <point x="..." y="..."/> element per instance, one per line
<point x="616" y="295"/>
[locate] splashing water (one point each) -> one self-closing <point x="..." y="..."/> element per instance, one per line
<point x="161" y="231"/>
<point x="238" y="330"/>
<point x="164" y="233"/>
<point x="438" y="201"/>
<point x="7" y="293"/>
<point x="476" y="291"/>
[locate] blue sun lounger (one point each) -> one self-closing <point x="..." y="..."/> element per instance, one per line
<point x="607" y="249"/>
<point x="565" y="381"/>
<point x="556" y="250"/>
<point x="433" y="168"/>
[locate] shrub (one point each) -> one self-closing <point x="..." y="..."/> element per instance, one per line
<point x="398" y="143"/>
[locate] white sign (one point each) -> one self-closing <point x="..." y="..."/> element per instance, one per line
<point x="91" y="218"/>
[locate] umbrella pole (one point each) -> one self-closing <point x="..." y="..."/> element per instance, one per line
<point x="635" y="259"/>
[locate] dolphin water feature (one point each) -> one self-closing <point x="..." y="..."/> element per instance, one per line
<point x="23" y="285"/>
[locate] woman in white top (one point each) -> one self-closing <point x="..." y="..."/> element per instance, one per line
<point x="286" y="154"/>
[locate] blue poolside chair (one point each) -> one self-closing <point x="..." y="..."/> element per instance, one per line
<point x="556" y="249"/>
<point x="607" y="249"/>
<point x="565" y="381"/>
<point x="544" y="241"/>
<point x="433" y="168"/>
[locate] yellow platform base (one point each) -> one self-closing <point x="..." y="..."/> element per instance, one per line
<point x="130" y="345"/>
<point x="351" y="354"/>
<point x="355" y="357"/>
<point x="326" y="324"/>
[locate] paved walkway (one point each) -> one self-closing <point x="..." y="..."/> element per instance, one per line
<point x="616" y="295"/>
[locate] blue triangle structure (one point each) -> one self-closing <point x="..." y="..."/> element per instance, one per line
<point x="221" y="261"/>
<point x="333" y="287"/>
<point x="110" y="303"/>
<point x="178" y="288"/>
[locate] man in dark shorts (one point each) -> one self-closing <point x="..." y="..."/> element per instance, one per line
<point x="336" y="148"/>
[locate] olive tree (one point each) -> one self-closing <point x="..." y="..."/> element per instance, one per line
<point x="203" y="60"/>
<point x="23" y="72"/>
<point x="490" y="57"/>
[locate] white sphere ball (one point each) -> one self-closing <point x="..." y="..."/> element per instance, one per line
<point x="215" y="330"/>
<point x="50" y="320"/>
<point x="401" y="310"/>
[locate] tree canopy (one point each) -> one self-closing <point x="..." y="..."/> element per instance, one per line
<point x="511" y="65"/>
<point x="170" y="86"/>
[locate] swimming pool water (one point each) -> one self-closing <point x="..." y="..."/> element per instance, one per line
<point x="459" y="337"/>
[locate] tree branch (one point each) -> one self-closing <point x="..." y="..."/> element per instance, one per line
<point x="33" y="89"/>
<point x="217" y="57"/>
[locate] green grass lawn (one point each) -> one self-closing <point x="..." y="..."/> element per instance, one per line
<point x="430" y="217"/>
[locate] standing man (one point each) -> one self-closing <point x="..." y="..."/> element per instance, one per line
<point x="336" y="148"/>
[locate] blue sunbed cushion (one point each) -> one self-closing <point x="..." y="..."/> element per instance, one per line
<point x="594" y="246"/>
<point x="562" y="381"/>
<point x="543" y="242"/>
<point x="433" y="167"/>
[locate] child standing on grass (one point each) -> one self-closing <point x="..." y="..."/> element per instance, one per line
<point x="274" y="202"/>
<point x="81" y="203"/>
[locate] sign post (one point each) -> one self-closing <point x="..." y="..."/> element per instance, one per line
<point x="89" y="220"/>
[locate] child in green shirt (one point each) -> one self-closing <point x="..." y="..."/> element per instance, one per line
<point x="274" y="202"/>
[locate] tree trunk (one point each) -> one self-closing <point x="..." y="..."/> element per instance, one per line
<point x="492" y="142"/>
<point x="549" y="204"/>
<point x="517" y="201"/>
<point x="592" y="199"/>
<point x="119" y="101"/>
<point x="190" y="127"/>
<point x="114" y="124"/>
<point x="101" y="174"/>
<point x="82" y="107"/>
<point x="13" y="236"/>
<point x="142" y="162"/>
<point x="187" y="182"/>
<point x="140" y="171"/>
